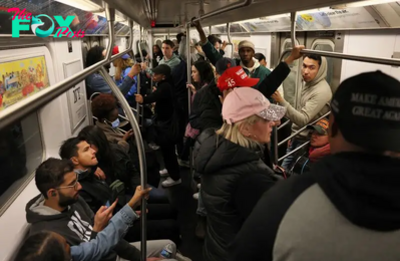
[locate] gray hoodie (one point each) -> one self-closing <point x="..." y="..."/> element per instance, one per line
<point x="314" y="101"/>
<point x="74" y="224"/>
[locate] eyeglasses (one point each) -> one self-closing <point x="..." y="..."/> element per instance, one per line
<point x="75" y="185"/>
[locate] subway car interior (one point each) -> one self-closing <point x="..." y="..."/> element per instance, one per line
<point x="59" y="58"/>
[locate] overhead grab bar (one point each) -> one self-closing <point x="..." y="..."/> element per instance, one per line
<point x="38" y="100"/>
<point x="359" y="58"/>
<point x="223" y="10"/>
<point x="138" y="136"/>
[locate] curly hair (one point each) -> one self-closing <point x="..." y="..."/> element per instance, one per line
<point x="103" y="104"/>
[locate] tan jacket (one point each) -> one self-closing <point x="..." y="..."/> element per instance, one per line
<point x="314" y="102"/>
<point x="113" y="135"/>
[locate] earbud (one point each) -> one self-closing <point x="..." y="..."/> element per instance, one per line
<point x="53" y="194"/>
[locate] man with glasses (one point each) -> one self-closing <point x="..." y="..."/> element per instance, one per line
<point x="59" y="209"/>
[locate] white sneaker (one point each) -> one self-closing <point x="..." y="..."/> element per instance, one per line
<point x="196" y="196"/>
<point x="169" y="182"/>
<point x="163" y="173"/>
<point x="180" y="257"/>
<point x="154" y="146"/>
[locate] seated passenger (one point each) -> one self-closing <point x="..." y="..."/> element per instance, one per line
<point x="318" y="148"/>
<point x="234" y="175"/>
<point x="346" y="207"/>
<point x="96" y="193"/>
<point x="47" y="245"/>
<point x="105" y="109"/>
<point x="315" y="97"/>
<point x="59" y="209"/>
<point x="165" y="121"/>
<point x="96" y="83"/>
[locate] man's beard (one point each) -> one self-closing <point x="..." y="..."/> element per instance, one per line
<point x="66" y="201"/>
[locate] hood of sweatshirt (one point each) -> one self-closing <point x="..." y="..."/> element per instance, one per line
<point x="321" y="75"/>
<point x="251" y="69"/>
<point x="363" y="187"/>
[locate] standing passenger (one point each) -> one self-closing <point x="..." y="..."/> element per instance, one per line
<point x="314" y="102"/>
<point x="164" y="120"/>
<point x="347" y="207"/>
<point x="96" y="83"/>
<point x="230" y="161"/>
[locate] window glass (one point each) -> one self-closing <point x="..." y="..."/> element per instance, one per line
<point x="21" y="152"/>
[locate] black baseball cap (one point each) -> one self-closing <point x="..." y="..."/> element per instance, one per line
<point x="223" y="64"/>
<point x="367" y="110"/>
<point x="163" y="69"/>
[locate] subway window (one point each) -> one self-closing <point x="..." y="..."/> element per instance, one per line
<point x="21" y="151"/>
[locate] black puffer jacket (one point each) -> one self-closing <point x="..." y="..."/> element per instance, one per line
<point x="233" y="180"/>
<point x="207" y="108"/>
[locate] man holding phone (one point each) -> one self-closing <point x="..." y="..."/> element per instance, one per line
<point x="60" y="209"/>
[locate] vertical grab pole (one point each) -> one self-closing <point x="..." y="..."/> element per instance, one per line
<point x="110" y="14"/>
<point x="228" y="31"/>
<point x="275" y="144"/>
<point x="141" y="114"/>
<point x="142" y="158"/>
<point x="188" y="66"/>
<point x="138" y="77"/>
<point x="293" y="16"/>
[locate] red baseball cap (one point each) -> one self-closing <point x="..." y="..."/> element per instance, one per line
<point x="116" y="51"/>
<point x="235" y="77"/>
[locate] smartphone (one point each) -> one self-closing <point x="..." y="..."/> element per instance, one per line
<point x="108" y="204"/>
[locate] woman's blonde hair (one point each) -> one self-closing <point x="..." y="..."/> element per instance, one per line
<point x="232" y="132"/>
<point x="120" y="65"/>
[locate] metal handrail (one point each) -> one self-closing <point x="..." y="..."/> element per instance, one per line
<point x="140" y="147"/>
<point x="110" y="15"/>
<point x="294" y="151"/>
<point x="360" y="58"/>
<point x="223" y="10"/>
<point x="34" y="102"/>
<point x="283" y="125"/>
<point x="303" y="128"/>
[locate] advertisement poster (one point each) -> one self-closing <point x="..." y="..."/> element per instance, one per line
<point x="22" y="78"/>
<point x="356" y="17"/>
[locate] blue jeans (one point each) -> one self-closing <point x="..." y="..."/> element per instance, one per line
<point x="157" y="195"/>
<point x="288" y="161"/>
<point x="201" y="210"/>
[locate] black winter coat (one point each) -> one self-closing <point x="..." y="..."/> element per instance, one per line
<point x="233" y="180"/>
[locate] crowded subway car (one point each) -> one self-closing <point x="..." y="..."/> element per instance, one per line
<point x="199" y="130"/>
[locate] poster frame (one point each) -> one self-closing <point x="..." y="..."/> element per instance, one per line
<point x="70" y="112"/>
